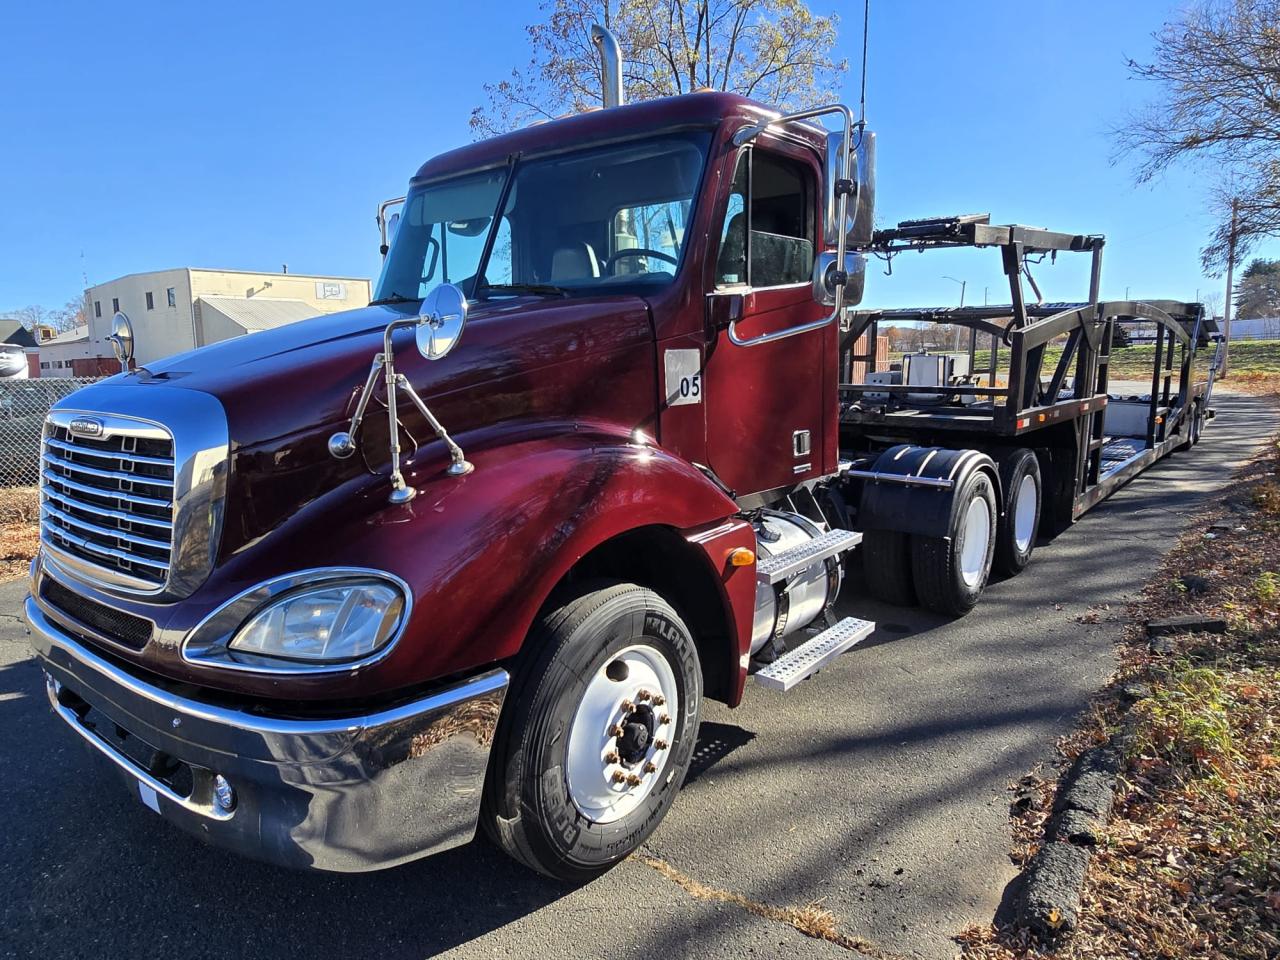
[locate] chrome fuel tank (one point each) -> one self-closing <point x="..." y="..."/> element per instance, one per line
<point x="785" y="607"/>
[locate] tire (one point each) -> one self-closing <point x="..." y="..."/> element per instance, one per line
<point x="1020" y="518"/>
<point x="886" y="567"/>
<point x="532" y="807"/>
<point x="949" y="579"/>
<point x="1192" y="426"/>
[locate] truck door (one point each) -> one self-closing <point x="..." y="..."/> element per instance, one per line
<point x="768" y="404"/>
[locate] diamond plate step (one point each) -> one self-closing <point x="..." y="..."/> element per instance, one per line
<point x="814" y="654"/>
<point x="782" y="565"/>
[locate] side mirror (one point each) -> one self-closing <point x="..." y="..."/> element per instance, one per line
<point x="824" y="286"/>
<point x="860" y="216"/>
<point x="440" y="321"/>
<point x="121" y="339"/>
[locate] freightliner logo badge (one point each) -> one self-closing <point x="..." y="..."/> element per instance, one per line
<point x="85" y="427"/>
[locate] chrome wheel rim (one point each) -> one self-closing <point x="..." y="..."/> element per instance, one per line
<point x="977" y="537"/>
<point x="620" y="738"/>
<point x="1024" y="514"/>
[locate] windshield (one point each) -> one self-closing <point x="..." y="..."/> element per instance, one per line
<point x="578" y="222"/>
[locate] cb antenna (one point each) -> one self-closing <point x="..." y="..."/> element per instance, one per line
<point x="862" y="98"/>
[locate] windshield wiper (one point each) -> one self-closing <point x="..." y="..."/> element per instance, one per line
<point x="539" y="289"/>
<point x="393" y="298"/>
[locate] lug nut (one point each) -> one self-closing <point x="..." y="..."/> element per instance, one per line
<point x="659" y="700"/>
<point x="633" y="780"/>
<point x="643" y="695"/>
<point x="650" y="767"/>
<point x="619" y="776"/>
<point x="615" y="730"/>
<point x="660" y="744"/>
<point x="611" y="757"/>
<point x="665" y="718"/>
<point x="627" y="706"/>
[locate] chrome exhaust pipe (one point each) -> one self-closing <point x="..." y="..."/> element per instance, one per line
<point x="610" y="63"/>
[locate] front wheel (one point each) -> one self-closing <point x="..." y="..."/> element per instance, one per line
<point x="600" y="735"/>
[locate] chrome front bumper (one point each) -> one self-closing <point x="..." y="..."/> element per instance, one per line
<point x="350" y="794"/>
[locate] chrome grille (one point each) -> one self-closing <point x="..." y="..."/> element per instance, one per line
<point x="108" y="500"/>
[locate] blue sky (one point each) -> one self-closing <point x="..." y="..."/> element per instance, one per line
<point x="143" y="136"/>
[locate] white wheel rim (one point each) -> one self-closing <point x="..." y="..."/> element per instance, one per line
<point x="1024" y="514"/>
<point x="977" y="537"/>
<point x="610" y="775"/>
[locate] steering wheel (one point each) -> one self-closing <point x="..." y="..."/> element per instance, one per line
<point x="637" y="252"/>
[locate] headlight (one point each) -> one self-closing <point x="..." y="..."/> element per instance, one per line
<point x="330" y="624"/>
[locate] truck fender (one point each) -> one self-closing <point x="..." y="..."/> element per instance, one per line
<point x="926" y="509"/>
<point x="483" y="553"/>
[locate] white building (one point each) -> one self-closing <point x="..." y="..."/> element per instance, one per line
<point x="177" y="310"/>
<point x="73" y="353"/>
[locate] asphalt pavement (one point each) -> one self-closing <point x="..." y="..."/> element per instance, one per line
<point x="879" y="788"/>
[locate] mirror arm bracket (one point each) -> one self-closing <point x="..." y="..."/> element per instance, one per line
<point x="343" y="444"/>
<point x="842" y="212"/>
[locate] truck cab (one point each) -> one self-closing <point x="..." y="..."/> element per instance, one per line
<point x="335" y="594"/>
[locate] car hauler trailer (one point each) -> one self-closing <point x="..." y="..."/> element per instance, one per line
<point x="1060" y="441"/>
<point x="334" y="594"/>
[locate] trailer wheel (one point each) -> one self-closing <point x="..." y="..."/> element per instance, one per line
<point x="599" y="736"/>
<point x="1020" y="519"/>
<point x="886" y="567"/>
<point x="1191" y="428"/>
<point x="951" y="572"/>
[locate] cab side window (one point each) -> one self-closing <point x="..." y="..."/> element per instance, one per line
<point x="768" y="234"/>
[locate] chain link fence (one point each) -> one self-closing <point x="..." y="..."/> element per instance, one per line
<point x="23" y="407"/>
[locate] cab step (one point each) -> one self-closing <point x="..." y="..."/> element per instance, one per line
<point x="789" y="562"/>
<point x="814" y="654"/>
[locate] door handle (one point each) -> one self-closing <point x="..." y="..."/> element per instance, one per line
<point x="738" y="341"/>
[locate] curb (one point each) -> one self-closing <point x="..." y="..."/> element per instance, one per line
<point x="1048" y="900"/>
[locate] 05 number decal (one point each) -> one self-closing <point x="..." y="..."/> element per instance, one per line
<point x="683" y="376"/>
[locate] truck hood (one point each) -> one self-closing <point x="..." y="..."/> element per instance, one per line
<point x="308" y="374"/>
<point x="525" y="361"/>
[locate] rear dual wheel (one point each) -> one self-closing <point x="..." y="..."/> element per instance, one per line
<point x="950" y="572"/>
<point x="597" y="740"/>
<point x="1020" y="519"/>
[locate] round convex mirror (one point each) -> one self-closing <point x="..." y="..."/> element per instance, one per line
<point x="440" y="321"/>
<point x="121" y="338"/>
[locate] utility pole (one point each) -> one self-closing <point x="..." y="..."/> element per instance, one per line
<point x="963" y="284"/>
<point x="1231" y="269"/>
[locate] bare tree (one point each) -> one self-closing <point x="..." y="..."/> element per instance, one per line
<point x="71" y="315"/>
<point x="74" y="314"/>
<point x="1218" y="69"/>
<point x="777" y="51"/>
<point x="33" y="315"/>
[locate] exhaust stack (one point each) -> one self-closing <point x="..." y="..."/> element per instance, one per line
<point x="610" y="63"/>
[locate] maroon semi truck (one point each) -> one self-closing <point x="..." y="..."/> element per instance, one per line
<point x="334" y="594"/>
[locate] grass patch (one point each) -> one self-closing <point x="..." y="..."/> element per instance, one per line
<point x="19" y="530"/>
<point x="812" y="919"/>
<point x="1190" y="863"/>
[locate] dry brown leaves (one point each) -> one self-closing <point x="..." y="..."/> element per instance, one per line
<point x="1254" y="382"/>
<point x="1190" y="866"/>
<point x="19" y="530"/>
